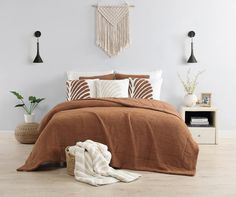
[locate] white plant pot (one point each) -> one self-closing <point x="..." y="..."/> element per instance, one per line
<point x="190" y="100"/>
<point x="29" y="118"/>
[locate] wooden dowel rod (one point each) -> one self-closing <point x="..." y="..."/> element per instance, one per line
<point x="132" y="6"/>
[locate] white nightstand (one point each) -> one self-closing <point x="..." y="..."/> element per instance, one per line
<point x="202" y="135"/>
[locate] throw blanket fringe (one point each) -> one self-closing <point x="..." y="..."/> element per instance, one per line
<point x="92" y="165"/>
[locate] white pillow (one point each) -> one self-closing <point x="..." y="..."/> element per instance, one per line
<point x="80" y="89"/>
<point x="156" y="86"/>
<point x="112" y="88"/>
<point x="73" y="75"/>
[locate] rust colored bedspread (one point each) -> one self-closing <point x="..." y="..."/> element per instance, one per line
<point x="141" y="134"/>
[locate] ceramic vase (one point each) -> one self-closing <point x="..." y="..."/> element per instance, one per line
<point x="29" y="118"/>
<point x="190" y="100"/>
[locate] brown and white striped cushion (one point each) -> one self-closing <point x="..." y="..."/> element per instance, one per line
<point x="79" y="89"/>
<point x="140" y="88"/>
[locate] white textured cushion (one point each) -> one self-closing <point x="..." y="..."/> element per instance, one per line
<point x="112" y="88"/>
<point x="73" y="75"/>
<point x="80" y="89"/>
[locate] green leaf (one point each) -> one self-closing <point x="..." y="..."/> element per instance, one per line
<point x="39" y="100"/>
<point x="32" y="99"/>
<point x="18" y="96"/>
<point x="20" y="105"/>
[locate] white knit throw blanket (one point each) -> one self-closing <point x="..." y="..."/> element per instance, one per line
<point x="92" y="165"/>
<point x="112" y="28"/>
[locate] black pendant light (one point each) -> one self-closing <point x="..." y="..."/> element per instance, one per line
<point x="37" y="59"/>
<point x="192" y="58"/>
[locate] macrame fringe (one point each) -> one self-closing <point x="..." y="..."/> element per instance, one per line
<point x="112" y="38"/>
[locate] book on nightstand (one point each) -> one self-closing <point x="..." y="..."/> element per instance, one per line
<point x="199" y="122"/>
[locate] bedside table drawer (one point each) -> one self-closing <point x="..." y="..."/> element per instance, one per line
<point x="204" y="135"/>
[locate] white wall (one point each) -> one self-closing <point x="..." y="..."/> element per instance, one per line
<point x="159" y="40"/>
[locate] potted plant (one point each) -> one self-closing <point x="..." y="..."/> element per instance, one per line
<point x="190" y="85"/>
<point x="33" y="103"/>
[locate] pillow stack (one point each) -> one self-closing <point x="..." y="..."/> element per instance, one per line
<point x="119" y="85"/>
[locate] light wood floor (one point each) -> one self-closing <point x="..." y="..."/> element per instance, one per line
<point x="216" y="176"/>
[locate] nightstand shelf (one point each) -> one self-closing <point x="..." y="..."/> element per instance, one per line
<point x="205" y="134"/>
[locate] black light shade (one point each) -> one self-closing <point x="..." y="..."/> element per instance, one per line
<point x="37" y="59"/>
<point x="192" y="58"/>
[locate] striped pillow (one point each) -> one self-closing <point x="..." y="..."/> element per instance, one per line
<point x="140" y="88"/>
<point x="80" y="89"/>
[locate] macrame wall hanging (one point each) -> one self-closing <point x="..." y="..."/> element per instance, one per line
<point x="112" y="27"/>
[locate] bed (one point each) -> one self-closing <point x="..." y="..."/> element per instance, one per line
<point x="141" y="134"/>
